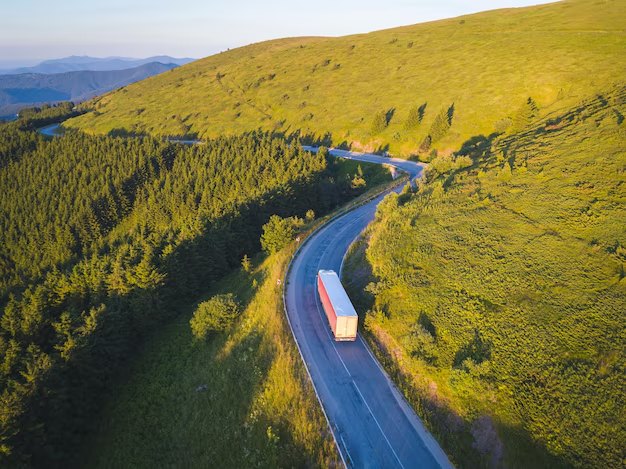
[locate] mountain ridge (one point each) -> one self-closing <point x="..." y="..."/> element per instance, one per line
<point x="75" y="63"/>
<point x="30" y="89"/>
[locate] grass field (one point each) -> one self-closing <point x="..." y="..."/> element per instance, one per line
<point x="481" y="68"/>
<point x="498" y="293"/>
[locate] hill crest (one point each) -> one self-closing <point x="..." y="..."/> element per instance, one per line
<point x="480" y="68"/>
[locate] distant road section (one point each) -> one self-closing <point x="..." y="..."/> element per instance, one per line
<point x="52" y="130"/>
<point x="412" y="168"/>
<point x="372" y="423"/>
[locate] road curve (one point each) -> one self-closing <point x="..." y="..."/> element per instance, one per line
<point x="413" y="168"/>
<point x="52" y="130"/>
<point x="372" y="423"/>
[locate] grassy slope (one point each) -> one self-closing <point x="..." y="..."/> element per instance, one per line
<point x="487" y="64"/>
<point x="259" y="408"/>
<point x="527" y="249"/>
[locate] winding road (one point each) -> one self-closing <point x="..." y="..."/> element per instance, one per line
<point x="372" y="423"/>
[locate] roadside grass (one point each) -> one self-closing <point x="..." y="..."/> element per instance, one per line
<point x="497" y="295"/>
<point x="240" y="399"/>
<point x="237" y="399"/>
<point x="486" y="65"/>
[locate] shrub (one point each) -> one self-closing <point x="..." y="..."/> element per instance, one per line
<point x="357" y="182"/>
<point x="278" y="232"/>
<point x="502" y="125"/>
<point x="477" y="350"/>
<point x="442" y="164"/>
<point x="463" y="162"/>
<point x="214" y="315"/>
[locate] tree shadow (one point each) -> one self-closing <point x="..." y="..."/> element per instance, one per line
<point x="477" y="147"/>
<point x="421" y="111"/>
<point x="249" y="362"/>
<point x="469" y="440"/>
<point x="123" y="132"/>
<point x="389" y="115"/>
<point x="450" y="114"/>
<point x="382" y="150"/>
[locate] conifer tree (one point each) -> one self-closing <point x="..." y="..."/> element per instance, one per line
<point x="246" y="265"/>
<point x="414" y="119"/>
<point x="116" y="229"/>
<point x="379" y="123"/>
<point x="441" y="124"/>
<point x="277" y="233"/>
<point x="524" y="115"/>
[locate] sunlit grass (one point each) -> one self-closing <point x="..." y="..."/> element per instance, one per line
<point x="524" y="250"/>
<point x="486" y="64"/>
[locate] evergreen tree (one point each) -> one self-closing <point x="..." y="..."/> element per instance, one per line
<point x="414" y="119"/>
<point x="214" y="315"/>
<point x="525" y="114"/>
<point x="441" y="124"/>
<point x="246" y="265"/>
<point x="103" y="238"/>
<point x="425" y="145"/>
<point x="379" y="122"/>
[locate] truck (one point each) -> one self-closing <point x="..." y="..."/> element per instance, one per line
<point x="340" y="313"/>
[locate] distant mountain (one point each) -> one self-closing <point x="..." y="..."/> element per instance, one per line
<point x="30" y="89"/>
<point x="76" y="63"/>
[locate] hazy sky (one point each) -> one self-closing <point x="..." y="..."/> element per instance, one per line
<point x="37" y="29"/>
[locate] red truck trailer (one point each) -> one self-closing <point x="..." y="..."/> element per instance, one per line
<point x="339" y="311"/>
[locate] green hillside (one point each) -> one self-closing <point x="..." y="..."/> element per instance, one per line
<point x="499" y="292"/>
<point x="388" y="87"/>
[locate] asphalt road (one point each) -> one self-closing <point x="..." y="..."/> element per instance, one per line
<point x="51" y="130"/>
<point x="372" y="423"/>
<point x="413" y="168"/>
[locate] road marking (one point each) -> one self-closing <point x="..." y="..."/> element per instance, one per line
<point x="378" y="424"/>
<point x="345" y="447"/>
<point x="343" y="259"/>
<point x="317" y="260"/>
<point x="332" y="342"/>
<point x="296" y="260"/>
